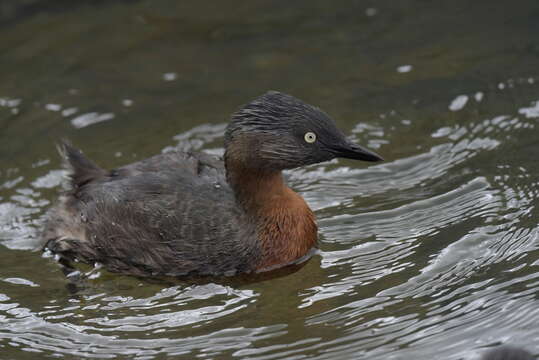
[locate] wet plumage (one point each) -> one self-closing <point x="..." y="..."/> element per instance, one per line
<point x="192" y="213"/>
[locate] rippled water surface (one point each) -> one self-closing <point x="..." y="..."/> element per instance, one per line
<point x="432" y="254"/>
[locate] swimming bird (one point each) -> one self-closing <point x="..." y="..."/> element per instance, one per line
<point x="191" y="213"/>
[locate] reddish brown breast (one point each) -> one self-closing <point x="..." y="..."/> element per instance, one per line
<point x="287" y="230"/>
<point x="285" y="225"/>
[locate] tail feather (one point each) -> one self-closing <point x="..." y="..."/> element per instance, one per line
<point x="81" y="169"/>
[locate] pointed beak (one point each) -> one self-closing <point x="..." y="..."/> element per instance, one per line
<point x="353" y="151"/>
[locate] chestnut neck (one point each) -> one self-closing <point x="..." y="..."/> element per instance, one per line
<point x="255" y="184"/>
<point x="256" y="189"/>
<point x="285" y="225"/>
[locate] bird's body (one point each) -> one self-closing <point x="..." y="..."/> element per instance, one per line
<point x="190" y="213"/>
<point x="143" y="218"/>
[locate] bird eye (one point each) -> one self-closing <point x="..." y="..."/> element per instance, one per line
<point x="310" y="137"/>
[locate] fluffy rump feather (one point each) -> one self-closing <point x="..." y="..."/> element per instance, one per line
<point x="81" y="169"/>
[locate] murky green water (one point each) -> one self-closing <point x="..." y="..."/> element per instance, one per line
<point x="433" y="254"/>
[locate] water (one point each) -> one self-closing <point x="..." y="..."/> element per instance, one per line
<point x="432" y="254"/>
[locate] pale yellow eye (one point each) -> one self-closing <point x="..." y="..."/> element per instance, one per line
<point x="310" y="137"/>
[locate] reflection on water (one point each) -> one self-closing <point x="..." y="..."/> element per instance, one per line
<point x="432" y="254"/>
